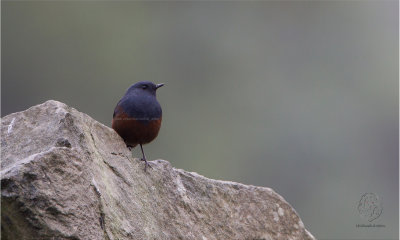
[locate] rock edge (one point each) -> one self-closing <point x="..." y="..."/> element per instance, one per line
<point x="67" y="176"/>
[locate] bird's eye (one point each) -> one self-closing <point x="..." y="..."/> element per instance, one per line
<point x="144" y="86"/>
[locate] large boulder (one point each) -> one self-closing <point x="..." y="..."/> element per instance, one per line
<point x="67" y="176"/>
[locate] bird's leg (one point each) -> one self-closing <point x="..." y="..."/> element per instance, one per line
<point x="144" y="159"/>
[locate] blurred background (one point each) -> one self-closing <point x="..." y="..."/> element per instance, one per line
<point x="299" y="96"/>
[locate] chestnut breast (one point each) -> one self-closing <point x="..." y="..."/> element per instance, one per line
<point x="137" y="118"/>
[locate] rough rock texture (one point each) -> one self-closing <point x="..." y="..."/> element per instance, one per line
<point x="66" y="176"/>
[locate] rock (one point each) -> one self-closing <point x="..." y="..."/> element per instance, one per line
<point x="67" y="176"/>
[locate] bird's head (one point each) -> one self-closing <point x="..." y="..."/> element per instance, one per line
<point x="145" y="87"/>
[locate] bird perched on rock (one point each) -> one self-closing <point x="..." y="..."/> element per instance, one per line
<point x="137" y="116"/>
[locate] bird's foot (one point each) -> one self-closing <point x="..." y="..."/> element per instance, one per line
<point x="146" y="164"/>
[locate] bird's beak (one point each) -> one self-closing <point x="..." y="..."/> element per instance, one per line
<point x="159" y="85"/>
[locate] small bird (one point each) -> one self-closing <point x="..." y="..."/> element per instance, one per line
<point x="137" y="116"/>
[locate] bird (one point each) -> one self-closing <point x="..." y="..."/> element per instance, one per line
<point x="137" y="116"/>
